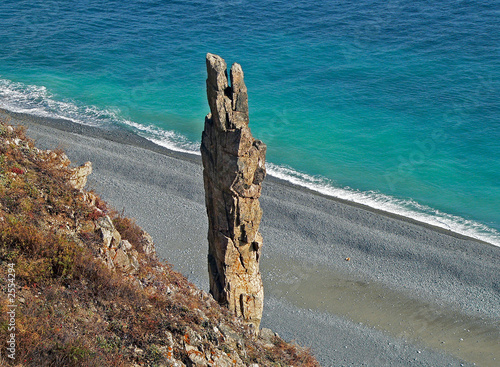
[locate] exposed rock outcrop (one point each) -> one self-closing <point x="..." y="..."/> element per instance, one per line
<point x="234" y="169"/>
<point x="78" y="178"/>
<point x="141" y="313"/>
<point x="116" y="252"/>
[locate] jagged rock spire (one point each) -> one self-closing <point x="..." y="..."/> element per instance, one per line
<point x="234" y="169"/>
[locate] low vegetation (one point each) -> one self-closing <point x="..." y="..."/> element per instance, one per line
<point x="72" y="309"/>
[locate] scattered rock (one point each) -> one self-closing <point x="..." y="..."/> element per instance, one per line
<point x="121" y="260"/>
<point x="147" y="245"/>
<point x="90" y="198"/>
<point x="125" y="245"/>
<point x="230" y="336"/>
<point x="195" y="356"/>
<point x="115" y="252"/>
<point x="78" y="178"/>
<point x="267" y="336"/>
<point x="191" y="337"/>
<point x="110" y="236"/>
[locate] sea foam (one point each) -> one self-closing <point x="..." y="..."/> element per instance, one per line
<point x="404" y="207"/>
<point x="38" y="101"/>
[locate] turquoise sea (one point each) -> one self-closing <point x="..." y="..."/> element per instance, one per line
<point x="393" y="103"/>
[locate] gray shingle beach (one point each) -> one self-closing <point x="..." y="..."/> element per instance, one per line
<point x="360" y="287"/>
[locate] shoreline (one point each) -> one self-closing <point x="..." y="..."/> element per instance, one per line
<point x="397" y="263"/>
<point x="122" y="136"/>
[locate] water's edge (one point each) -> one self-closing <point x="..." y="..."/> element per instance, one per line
<point x="128" y="137"/>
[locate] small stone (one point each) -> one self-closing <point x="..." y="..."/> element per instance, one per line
<point x="147" y="245"/>
<point x="125" y="245"/>
<point x="267" y="335"/>
<point x="196" y="356"/>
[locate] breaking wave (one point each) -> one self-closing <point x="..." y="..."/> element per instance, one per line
<point x="38" y="101"/>
<point x="404" y="207"/>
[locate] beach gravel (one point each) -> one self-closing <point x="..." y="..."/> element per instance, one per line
<point x="434" y="283"/>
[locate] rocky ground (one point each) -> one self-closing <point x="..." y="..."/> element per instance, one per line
<point x="87" y="287"/>
<point x="410" y="295"/>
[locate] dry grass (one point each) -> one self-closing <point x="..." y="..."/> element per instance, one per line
<point x="73" y="310"/>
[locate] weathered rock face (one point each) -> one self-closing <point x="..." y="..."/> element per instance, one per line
<point x="78" y="178"/>
<point x="234" y="169"/>
<point x="115" y="252"/>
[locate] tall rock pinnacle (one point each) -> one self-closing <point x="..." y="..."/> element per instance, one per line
<point x="234" y="169"/>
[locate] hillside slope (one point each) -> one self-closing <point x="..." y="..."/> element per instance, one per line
<point x="82" y="286"/>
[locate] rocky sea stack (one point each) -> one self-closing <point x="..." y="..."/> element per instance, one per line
<point x="84" y="286"/>
<point x="234" y="169"/>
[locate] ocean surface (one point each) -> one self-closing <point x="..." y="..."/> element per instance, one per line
<point x="394" y="104"/>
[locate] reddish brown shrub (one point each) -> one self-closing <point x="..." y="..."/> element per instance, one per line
<point x="96" y="214"/>
<point x="17" y="170"/>
<point x="128" y="229"/>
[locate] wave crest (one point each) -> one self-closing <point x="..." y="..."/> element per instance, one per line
<point x="38" y="101"/>
<point x="405" y="207"/>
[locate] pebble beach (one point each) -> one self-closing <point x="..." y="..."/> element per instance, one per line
<point x="359" y="286"/>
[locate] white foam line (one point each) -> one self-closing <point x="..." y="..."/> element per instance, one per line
<point x="407" y="208"/>
<point x="36" y="100"/>
<point x="165" y="138"/>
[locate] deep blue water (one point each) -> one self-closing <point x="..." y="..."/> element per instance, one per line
<point x="395" y="104"/>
